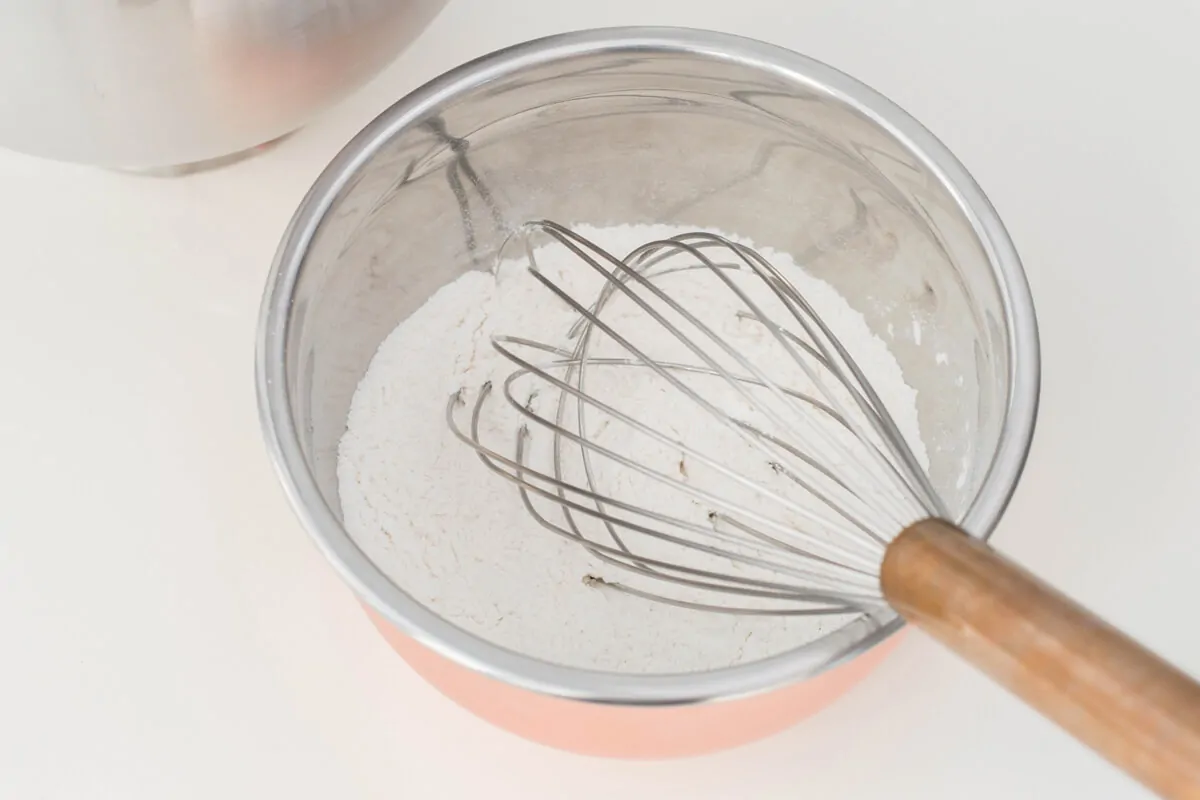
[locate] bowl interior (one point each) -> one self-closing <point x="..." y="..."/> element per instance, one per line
<point x="662" y="138"/>
<point x="654" y="133"/>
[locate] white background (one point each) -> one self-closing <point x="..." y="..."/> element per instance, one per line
<point x="168" y="631"/>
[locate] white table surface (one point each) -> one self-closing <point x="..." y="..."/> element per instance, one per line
<point x="169" y="632"/>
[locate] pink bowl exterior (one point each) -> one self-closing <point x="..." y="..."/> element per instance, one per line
<point x="630" y="732"/>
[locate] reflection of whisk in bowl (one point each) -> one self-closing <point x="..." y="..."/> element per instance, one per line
<point x="854" y="523"/>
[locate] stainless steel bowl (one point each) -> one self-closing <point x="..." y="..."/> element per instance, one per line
<point x="148" y="84"/>
<point x="650" y="126"/>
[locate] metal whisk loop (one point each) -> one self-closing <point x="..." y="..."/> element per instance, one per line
<point x="528" y="481"/>
<point x="621" y="275"/>
<point x="772" y="554"/>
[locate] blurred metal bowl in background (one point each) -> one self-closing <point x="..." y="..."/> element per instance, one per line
<point x="151" y="84"/>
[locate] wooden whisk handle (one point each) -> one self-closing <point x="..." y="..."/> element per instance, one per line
<point x="1109" y="692"/>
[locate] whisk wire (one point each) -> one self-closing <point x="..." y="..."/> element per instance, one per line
<point x="568" y="359"/>
<point x="792" y="299"/>
<point x="840" y="448"/>
<point x="524" y="478"/>
<point x="527" y="368"/>
<point x="872" y="406"/>
<point x="574" y="242"/>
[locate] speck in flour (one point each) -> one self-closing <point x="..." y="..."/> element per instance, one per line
<point x="459" y="540"/>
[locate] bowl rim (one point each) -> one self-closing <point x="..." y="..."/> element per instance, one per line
<point x="467" y="649"/>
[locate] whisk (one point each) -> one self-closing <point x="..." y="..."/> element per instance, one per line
<point x="805" y="498"/>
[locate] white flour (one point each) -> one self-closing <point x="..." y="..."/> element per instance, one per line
<point x="458" y="538"/>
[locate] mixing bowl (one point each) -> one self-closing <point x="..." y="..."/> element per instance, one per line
<point x="648" y="126"/>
